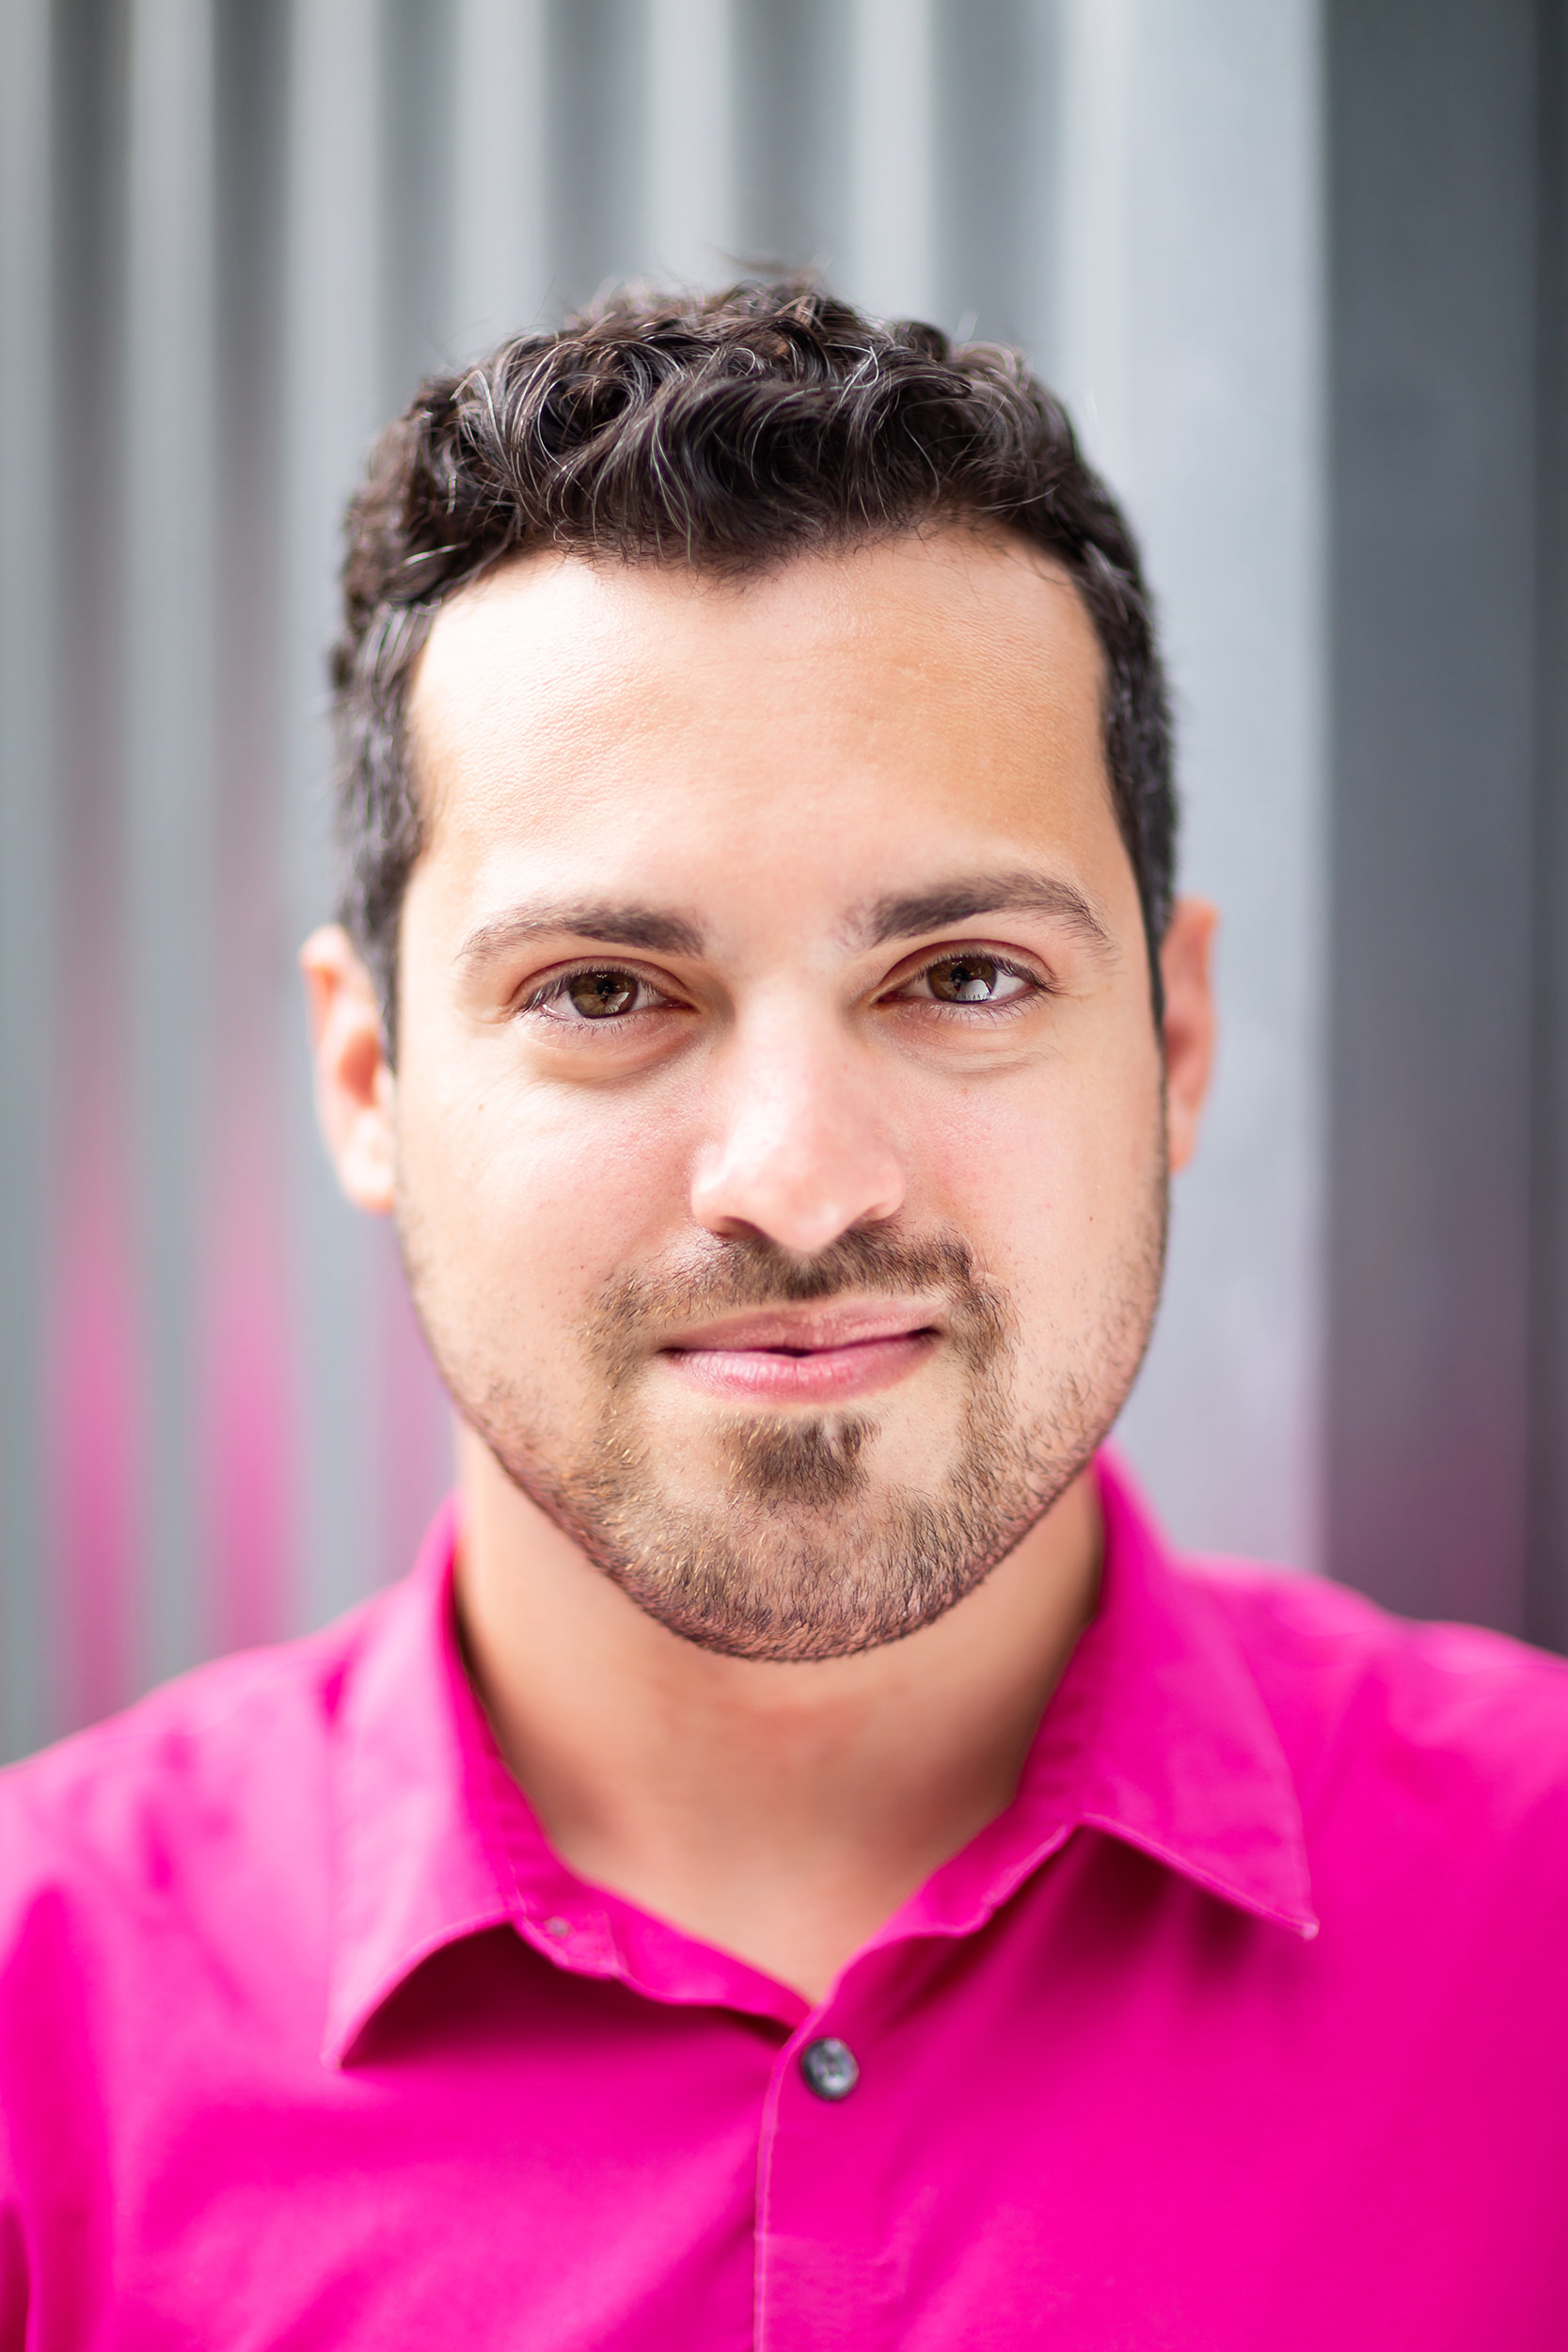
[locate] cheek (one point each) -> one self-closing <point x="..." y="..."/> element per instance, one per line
<point x="539" y="1196"/>
<point x="1048" y="1178"/>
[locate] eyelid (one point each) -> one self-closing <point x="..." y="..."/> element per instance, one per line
<point x="1011" y="960"/>
<point x="553" y="985"/>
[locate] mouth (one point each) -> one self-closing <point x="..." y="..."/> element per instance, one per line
<point x="815" y="1356"/>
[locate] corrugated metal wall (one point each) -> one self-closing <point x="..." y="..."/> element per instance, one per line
<point x="234" y="234"/>
<point x="1446" y="1453"/>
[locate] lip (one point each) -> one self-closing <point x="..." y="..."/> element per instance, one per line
<point x="818" y="1356"/>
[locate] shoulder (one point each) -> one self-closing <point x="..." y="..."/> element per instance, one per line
<point x="207" y="1762"/>
<point x="1443" y="1722"/>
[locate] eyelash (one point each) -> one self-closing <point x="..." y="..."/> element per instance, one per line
<point x="1009" y="1004"/>
<point x="554" y="990"/>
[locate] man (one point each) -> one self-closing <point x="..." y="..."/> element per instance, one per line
<point x="798" y="1864"/>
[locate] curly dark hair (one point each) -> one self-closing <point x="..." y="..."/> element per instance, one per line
<point x="727" y="431"/>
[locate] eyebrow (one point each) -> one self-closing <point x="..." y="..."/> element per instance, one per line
<point x="612" y="926"/>
<point x="908" y="914"/>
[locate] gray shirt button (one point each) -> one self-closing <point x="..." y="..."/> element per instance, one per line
<point x="828" y="2067"/>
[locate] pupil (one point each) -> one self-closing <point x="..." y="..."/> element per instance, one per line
<point x="967" y="980"/>
<point x="599" y="995"/>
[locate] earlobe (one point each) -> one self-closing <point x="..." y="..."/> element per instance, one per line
<point x="1186" y="956"/>
<point x="354" y="1078"/>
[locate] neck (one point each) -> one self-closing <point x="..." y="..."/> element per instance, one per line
<point x="780" y="1812"/>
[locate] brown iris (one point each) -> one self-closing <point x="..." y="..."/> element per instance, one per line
<point x="600" y="995"/>
<point x="964" y="979"/>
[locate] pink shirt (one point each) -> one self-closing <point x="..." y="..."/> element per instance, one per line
<point x="1246" y="2025"/>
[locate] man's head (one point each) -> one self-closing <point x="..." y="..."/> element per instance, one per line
<point x="756" y="790"/>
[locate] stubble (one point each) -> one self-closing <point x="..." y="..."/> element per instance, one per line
<point x="804" y="1551"/>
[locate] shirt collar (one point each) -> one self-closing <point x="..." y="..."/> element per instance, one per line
<point x="1186" y="1762"/>
<point x="1157" y="1734"/>
<point x="414" y="1868"/>
<point x="1183" y="1760"/>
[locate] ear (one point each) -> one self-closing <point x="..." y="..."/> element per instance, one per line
<point x="1186" y="956"/>
<point x="355" y="1088"/>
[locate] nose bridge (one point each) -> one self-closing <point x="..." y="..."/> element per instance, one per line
<point x="801" y="1149"/>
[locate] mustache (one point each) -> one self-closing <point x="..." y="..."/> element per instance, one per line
<point x="724" y="1273"/>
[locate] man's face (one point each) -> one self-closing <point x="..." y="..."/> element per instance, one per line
<point x="777" y="1129"/>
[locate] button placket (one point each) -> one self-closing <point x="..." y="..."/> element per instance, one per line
<point x="823" y="2275"/>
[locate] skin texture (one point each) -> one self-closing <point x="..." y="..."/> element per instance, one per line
<point x="784" y="1306"/>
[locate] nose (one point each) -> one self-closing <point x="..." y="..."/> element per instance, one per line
<point x="802" y="1151"/>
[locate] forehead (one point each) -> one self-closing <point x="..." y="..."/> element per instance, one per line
<point x="946" y="684"/>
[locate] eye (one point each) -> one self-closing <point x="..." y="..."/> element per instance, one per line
<point x="600" y="992"/>
<point x="600" y="995"/>
<point x="972" y="980"/>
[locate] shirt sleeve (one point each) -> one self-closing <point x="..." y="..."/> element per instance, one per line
<point x="15" y="2291"/>
<point x="14" y="2295"/>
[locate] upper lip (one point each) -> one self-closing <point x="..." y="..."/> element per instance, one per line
<point x="837" y="1323"/>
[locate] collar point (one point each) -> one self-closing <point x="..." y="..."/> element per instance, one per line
<point x="335" y="2045"/>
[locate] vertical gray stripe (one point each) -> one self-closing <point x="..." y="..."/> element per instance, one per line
<point x="994" y="164"/>
<point x="890" y="260"/>
<point x="418" y="71"/>
<point x="1189" y="341"/>
<point x="170" y="777"/>
<point x="1546" y="1587"/>
<point x="87" y="1505"/>
<point x="333" y="401"/>
<point x="792" y="137"/>
<point x="596" y="52"/>
<point x="497" y="268"/>
<point x="27" y="860"/>
<point x="1433" y="649"/>
<point x="690" y="230"/>
<point x="246" y="1479"/>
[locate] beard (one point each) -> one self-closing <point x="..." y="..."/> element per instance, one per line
<point x="803" y="1550"/>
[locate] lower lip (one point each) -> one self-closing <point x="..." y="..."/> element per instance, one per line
<point x="820" y="1375"/>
